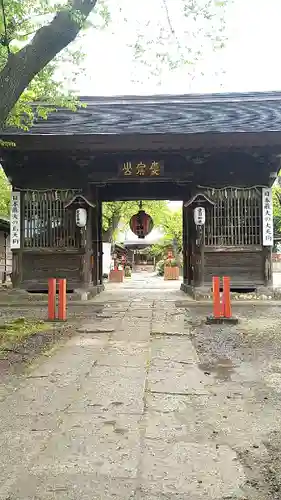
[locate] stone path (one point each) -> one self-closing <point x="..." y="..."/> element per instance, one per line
<point x="128" y="410"/>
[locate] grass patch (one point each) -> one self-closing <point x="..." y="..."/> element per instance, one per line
<point x="16" y="331"/>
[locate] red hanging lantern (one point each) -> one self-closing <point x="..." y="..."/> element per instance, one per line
<point x="141" y="224"/>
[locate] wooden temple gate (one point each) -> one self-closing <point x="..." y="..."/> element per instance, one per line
<point x="223" y="150"/>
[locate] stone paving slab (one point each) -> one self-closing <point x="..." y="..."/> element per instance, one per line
<point x="124" y="353"/>
<point x="173" y="378"/>
<point x="132" y="332"/>
<point x="93" y="344"/>
<point x="97" y="329"/>
<point x="172" y="427"/>
<point x="117" y="387"/>
<point x="191" y="468"/>
<point x="172" y="350"/>
<point x="219" y="420"/>
<point x="170" y="327"/>
<point x="48" y="394"/>
<point x="81" y="355"/>
<point x="134" y="322"/>
<point x="141" y="312"/>
<point x="40" y="397"/>
<point x="144" y="494"/>
<point x="93" y="444"/>
<point x="20" y="445"/>
<point x="71" y="486"/>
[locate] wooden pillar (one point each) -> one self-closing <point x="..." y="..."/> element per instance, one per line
<point x="199" y="256"/>
<point x="267" y="260"/>
<point x="86" y="235"/>
<point x="94" y="246"/>
<point x="190" y="246"/>
<point x="97" y="253"/>
<point x="94" y="225"/>
<point x="99" y="242"/>
<point x="185" y="243"/>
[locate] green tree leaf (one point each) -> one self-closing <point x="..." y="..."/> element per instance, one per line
<point x="5" y="194"/>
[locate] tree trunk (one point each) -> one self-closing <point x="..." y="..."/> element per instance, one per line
<point x="48" y="41"/>
<point x="108" y="234"/>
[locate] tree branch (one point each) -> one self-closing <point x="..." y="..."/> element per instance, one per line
<point x="48" y="41"/>
<point x="169" y="21"/>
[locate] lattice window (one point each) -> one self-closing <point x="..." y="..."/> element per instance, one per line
<point x="235" y="219"/>
<point x="47" y="223"/>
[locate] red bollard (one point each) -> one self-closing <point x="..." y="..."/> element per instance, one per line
<point x="62" y="300"/>
<point x="221" y="314"/>
<point x="52" y="299"/>
<point x="216" y="297"/>
<point x="226" y="297"/>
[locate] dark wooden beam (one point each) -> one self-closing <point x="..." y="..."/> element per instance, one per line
<point x="54" y="170"/>
<point x="165" y="142"/>
<point x="144" y="191"/>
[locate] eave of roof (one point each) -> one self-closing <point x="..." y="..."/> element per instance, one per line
<point x="186" y="114"/>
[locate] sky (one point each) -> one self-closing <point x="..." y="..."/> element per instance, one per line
<point x="249" y="61"/>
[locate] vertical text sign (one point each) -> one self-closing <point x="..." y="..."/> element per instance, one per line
<point x="15" y="220"/>
<point x="267" y="217"/>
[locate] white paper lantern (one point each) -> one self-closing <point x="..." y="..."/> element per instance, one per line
<point x="199" y="215"/>
<point x="81" y="217"/>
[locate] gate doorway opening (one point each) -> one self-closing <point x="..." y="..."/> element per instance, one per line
<point x="148" y="238"/>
